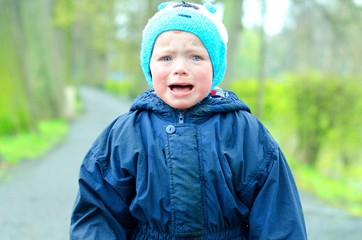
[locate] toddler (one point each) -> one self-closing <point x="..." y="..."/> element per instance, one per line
<point x="189" y="160"/>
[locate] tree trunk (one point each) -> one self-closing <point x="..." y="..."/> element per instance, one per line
<point x="261" y="67"/>
<point x="15" y="114"/>
<point x="42" y="64"/>
<point x="232" y="20"/>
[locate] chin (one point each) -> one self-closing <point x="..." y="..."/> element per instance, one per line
<point x="181" y="106"/>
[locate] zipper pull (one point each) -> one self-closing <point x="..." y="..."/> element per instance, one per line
<point x="181" y="117"/>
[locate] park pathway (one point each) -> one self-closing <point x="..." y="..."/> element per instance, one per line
<point x="37" y="197"/>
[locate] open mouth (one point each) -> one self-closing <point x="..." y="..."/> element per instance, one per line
<point x="181" y="88"/>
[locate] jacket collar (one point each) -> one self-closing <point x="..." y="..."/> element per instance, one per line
<point x="223" y="102"/>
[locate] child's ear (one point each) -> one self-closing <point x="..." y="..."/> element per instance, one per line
<point x="210" y="7"/>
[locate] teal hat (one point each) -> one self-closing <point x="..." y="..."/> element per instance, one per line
<point x="197" y="19"/>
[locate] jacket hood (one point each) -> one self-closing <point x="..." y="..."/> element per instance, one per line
<point x="222" y="101"/>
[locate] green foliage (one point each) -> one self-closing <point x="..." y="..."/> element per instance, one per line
<point x="64" y="13"/>
<point x="44" y="80"/>
<point x="321" y="112"/>
<point x="31" y="86"/>
<point x="316" y="119"/>
<point x="14" y="112"/>
<point x="344" y="191"/>
<point x="248" y="56"/>
<point x="87" y="33"/>
<point x="124" y="88"/>
<point x="28" y="145"/>
<point x="275" y="100"/>
<point x="327" y="114"/>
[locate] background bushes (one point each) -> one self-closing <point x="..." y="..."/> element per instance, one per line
<point x="321" y="112"/>
<point x="317" y="119"/>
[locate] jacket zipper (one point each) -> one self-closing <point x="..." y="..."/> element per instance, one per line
<point x="181" y="117"/>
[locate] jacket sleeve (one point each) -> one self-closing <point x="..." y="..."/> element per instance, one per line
<point x="276" y="212"/>
<point x="101" y="208"/>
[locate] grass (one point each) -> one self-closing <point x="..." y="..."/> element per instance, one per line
<point x="344" y="191"/>
<point x="27" y="145"/>
<point x="330" y="181"/>
<point x="119" y="87"/>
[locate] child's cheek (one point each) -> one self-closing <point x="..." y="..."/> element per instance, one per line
<point x="204" y="75"/>
<point x="160" y="75"/>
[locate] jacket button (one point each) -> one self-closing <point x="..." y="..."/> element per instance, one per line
<point x="170" y="129"/>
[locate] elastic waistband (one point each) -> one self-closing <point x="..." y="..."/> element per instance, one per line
<point x="143" y="232"/>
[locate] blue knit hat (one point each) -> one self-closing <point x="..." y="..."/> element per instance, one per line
<point x="197" y="19"/>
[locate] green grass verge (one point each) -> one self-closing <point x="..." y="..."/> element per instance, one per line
<point x="344" y="191"/>
<point x="24" y="146"/>
<point x="119" y="87"/>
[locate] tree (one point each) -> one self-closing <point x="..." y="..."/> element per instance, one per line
<point x="133" y="17"/>
<point x="87" y="30"/>
<point x="44" y="80"/>
<point x="327" y="110"/>
<point x="30" y="71"/>
<point x="322" y="35"/>
<point x="232" y="20"/>
<point x="15" y="114"/>
<point x="261" y="68"/>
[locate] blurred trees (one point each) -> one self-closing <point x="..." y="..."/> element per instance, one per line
<point x="322" y="47"/>
<point x="131" y="19"/>
<point x="31" y="85"/>
<point x="56" y="44"/>
<point x="319" y="46"/>
<point x="233" y="10"/>
<point x="14" y="113"/>
<point x="327" y="112"/>
<point x="319" y="35"/>
<point x="315" y="116"/>
<point x="49" y="45"/>
<point x="86" y="33"/>
<point x="311" y="96"/>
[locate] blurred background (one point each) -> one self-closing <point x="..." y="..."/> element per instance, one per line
<point x="296" y="63"/>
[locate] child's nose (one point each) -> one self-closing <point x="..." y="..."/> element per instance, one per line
<point x="180" y="67"/>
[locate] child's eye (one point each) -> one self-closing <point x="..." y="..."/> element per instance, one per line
<point x="166" y="58"/>
<point x="196" y="58"/>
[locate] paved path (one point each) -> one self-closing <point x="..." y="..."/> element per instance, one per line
<point x="328" y="223"/>
<point x="37" y="198"/>
<point x="36" y="202"/>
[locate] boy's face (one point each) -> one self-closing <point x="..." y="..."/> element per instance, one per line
<point x="181" y="69"/>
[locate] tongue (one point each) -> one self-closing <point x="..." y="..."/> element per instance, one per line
<point x="179" y="88"/>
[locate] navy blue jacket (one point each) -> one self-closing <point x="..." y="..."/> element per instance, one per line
<point x="211" y="172"/>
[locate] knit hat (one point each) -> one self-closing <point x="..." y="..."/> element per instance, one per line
<point x="197" y="19"/>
